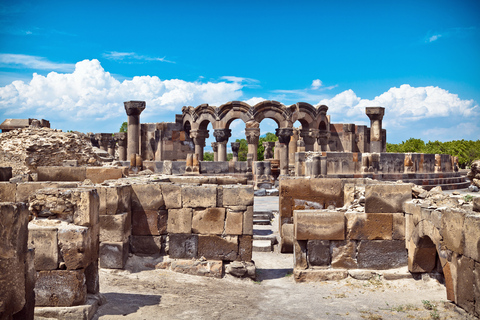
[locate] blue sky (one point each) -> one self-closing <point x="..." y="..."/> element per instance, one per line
<point x="75" y="63"/>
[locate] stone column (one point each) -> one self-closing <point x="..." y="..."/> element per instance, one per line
<point x="268" y="151"/>
<point x="309" y="137"/>
<point x="299" y="164"/>
<point x="121" y="138"/>
<point x="111" y="146"/>
<point x="215" y="151"/>
<point x="199" y="137"/>
<point x="235" y="148"/>
<point x="322" y="140"/>
<point x="222" y="136"/>
<point x="284" y="135"/>
<point x="376" y="115"/>
<point x="292" y="147"/>
<point x="348" y="137"/>
<point x="103" y="139"/>
<point x="133" y="109"/>
<point x="252" y="135"/>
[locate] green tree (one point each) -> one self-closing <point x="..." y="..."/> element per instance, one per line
<point x="261" y="149"/>
<point x="124" y="127"/>
<point x="208" y="156"/>
<point x="243" y="150"/>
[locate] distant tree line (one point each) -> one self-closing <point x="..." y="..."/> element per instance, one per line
<point x="466" y="150"/>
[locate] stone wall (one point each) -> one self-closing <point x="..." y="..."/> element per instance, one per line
<point x="206" y="167"/>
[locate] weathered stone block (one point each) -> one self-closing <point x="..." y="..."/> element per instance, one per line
<point x="147" y="197"/>
<point x="476" y="204"/>
<point x="476" y="287"/>
<point x="113" y="255"/>
<point x="319" y="225"/>
<point x="199" y="196"/>
<point x="237" y="195"/>
<point x="218" y="248"/>
<point x="24" y="190"/>
<point x="5" y="173"/>
<point x="286" y="241"/>
<point x="115" y="228"/>
<point x="182" y="246"/>
<point x="146" y="244"/>
<point x="398" y="226"/>
<point x="300" y="254"/>
<point x="60" y="288"/>
<point x="472" y="236"/>
<point x="208" y="221"/>
<point x="114" y="199"/>
<point x="172" y="194"/>
<point x="208" y="268"/>
<point x="248" y="221"/>
<point x="318" y="252"/>
<point x="316" y="275"/>
<point x="100" y="174"/>
<point x="92" y="280"/>
<point x="179" y="220"/>
<point x="149" y="222"/>
<point x="87" y="204"/>
<point x="386" y="198"/>
<point x="421" y="258"/>
<point x="44" y="240"/>
<point x="344" y="254"/>
<point x="369" y="226"/>
<point x="75" y="245"/>
<point x="61" y="174"/>
<point x="381" y="254"/>
<point x="7" y="191"/>
<point x="348" y="193"/>
<point x="244" y="248"/>
<point x="452" y="230"/>
<point x="464" y="293"/>
<point x="234" y="222"/>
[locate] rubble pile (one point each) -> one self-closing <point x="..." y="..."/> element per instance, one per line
<point x="26" y="149"/>
<point x="474" y="173"/>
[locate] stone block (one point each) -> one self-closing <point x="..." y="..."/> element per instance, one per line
<point x="100" y="174"/>
<point x="421" y="258"/>
<point x="472" y="236"/>
<point x="452" y="230"/>
<point x="318" y="253"/>
<point x="248" y="221"/>
<point x="234" y="222"/>
<point x="24" y="190"/>
<point x="60" y="288"/>
<point x="398" y="226"/>
<point x="210" y="268"/>
<point x="172" y="195"/>
<point x="316" y="275"/>
<point x="87" y="204"/>
<point x="245" y="248"/>
<point x="44" y="240"/>
<point x="75" y="246"/>
<point x="386" y="198"/>
<point x="344" y="254"/>
<point x="476" y="287"/>
<point x="409" y="227"/>
<point x="369" y="226"/>
<point x="61" y="174"/>
<point x="319" y="225"/>
<point x="218" y="248"/>
<point x="113" y="255"/>
<point x="199" y="196"/>
<point x="178" y="167"/>
<point x="149" y="222"/>
<point x="464" y="293"/>
<point x="300" y="254"/>
<point x="117" y="199"/>
<point x="7" y="191"/>
<point x="348" y="193"/>
<point x="208" y="221"/>
<point x="5" y="173"/>
<point x="179" y="220"/>
<point x="286" y="241"/>
<point x="115" y="228"/>
<point x="182" y="246"/>
<point x="381" y="254"/>
<point x="476" y="204"/>
<point x="237" y="195"/>
<point x="147" y="197"/>
<point x="92" y="279"/>
<point x="146" y="244"/>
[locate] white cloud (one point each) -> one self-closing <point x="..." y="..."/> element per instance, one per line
<point x="90" y="93"/>
<point x="32" y="62"/>
<point x="434" y="37"/>
<point x="131" y="57"/>
<point x="317" y="83"/>
<point x="457" y="132"/>
<point x="253" y="101"/>
<point x="405" y="103"/>
<point x="239" y="79"/>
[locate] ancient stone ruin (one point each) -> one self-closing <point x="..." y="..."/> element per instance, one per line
<point x="72" y="204"/>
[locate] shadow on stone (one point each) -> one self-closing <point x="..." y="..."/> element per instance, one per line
<point x="269" y="274"/>
<point x="126" y="303"/>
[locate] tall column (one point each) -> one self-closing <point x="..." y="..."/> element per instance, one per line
<point x="133" y="109"/>
<point x="121" y="138"/>
<point x="103" y="140"/>
<point x="284" y="135"/>
<point x="199" y="137"/>
<point x="222" y="136"/>
<point x="215" y="151"/>
<point x="111" y="146"/>
<point x="268" y="149"/>
<point x="235" y="148"/>
<point x="309" y="137"/>
<point x="253" y="135"/>
<point x="376" y="115"/>
<point x="292" y="147"/>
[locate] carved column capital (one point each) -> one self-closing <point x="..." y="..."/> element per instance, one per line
<point x="252" y="135"/>
<point x="121" y="138"/>
<point x="222" y="135"/>
<point x="134" y="108"/>
<point x="375" y="113"/>
<point x="284" y="134"/>
<point x="199" y="137"/>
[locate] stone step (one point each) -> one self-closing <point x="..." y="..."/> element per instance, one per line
<point x="451" y="186"/>
<point x="262" y="246"/>
<point x="271" y="237"/>
<point x="263" y="215"/>
<point x="261" y="221"/>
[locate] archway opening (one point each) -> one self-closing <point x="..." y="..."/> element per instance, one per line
<point x="267" y="134"/>
<point x="238" y="135"/>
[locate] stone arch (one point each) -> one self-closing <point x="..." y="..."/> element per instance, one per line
<point x="234" y="110"/>
<point x="273" y="110"/>
<point x="306" y="114"/>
